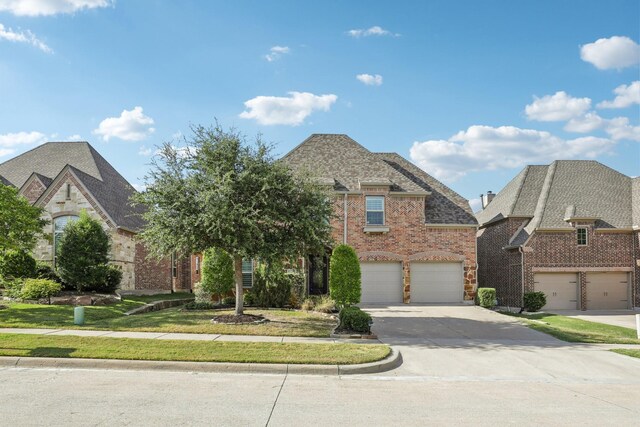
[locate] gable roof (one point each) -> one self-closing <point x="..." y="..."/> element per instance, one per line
<point x="338" y="159"/>
<point x="105" y="184"/>
<point x="5" y="181"/>
<point x="551" y="195"/>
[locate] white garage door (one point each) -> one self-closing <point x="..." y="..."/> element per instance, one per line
<point x="440" y="282"/>
<point x="561" y="290"/>
<point x="381" y="282"/>
<point x="607" y="291"/>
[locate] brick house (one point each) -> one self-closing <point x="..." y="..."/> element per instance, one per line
<point x="67" y="177"/>
<point x="570" y="229"/>
<point x="414" y="236"/>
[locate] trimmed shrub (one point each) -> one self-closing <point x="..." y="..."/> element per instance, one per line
<point x="83" y="254"/>
<point x="344" y="276"/>
<point x="39" y="288"/>
<point x="248" y="298"/>
<point x="325" y="304"/>
<point x="201" y="294"/>
<point x="298" y="287"/>
<point x="534" y="301"/>
<point x="217" y="272"/>
<point x="112" y="279"/>
<point x="13" y="288"/>
<point x="354" y="319"/>
<point x="46" y="271"/>
<point x="229" y="301"/>
<point x="486" y="297"/>
<point x="271" y="285"/>
<point x="16" y="264"/>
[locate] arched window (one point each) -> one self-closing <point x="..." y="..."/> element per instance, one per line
<point x="59" y="224"/>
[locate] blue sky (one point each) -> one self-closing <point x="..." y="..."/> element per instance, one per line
<point x="470" y="91"/>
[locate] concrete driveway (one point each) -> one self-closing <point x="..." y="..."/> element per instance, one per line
<point x="468" y="342"/>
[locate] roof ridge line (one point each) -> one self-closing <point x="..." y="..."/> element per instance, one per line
<point x="541" y="206"/>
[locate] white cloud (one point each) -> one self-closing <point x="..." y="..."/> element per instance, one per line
<point x="615" y="52"/>
<point x="585" y="123"/>
<point x="145" y="151"/>
<point x="482" y="148"/>
<point x="626" y="96"/>
<point x="276" y="52"/>
<point x="369" y="79"/>
<point x="132" y="125"/>
<point x="619" y="128"/>
<point x="23" y="37"/>
<point x="557" y="107"/>
<point x="50" y="7"/>
<point x="9" y="142"/>
<point x="74" y="137"/>
<point x="291" y="110"/>
<point x="373" y="31"/>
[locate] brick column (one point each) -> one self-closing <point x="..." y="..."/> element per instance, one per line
<point x="582" y="283"/>
<point x="406" y="281"/>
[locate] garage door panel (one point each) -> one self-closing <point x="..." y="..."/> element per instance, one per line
<point x="381" y="282"/>
<point x="561" y="290"/>
<point x="607" y="291"/>
<point x="437" y="282"/>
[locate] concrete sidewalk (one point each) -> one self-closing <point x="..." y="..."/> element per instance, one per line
<point x="182" y="336"/>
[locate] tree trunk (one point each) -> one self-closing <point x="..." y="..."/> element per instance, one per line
<point x="239" y="296"/>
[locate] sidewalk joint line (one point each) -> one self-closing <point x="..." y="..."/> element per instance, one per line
<point x="286" y="374"/>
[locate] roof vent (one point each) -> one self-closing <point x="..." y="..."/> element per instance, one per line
<point x="487" y="198"/>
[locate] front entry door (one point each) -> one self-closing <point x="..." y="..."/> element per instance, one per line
<point x="318" y="275"/>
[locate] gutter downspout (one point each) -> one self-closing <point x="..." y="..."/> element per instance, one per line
<point x="344" y="233"/>
<point x="521" y="270"/>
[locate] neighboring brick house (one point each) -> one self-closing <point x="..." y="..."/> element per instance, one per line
<point x="67" y="177"/>
<point x="414" y="236"/>
<point x="570" y="229"/>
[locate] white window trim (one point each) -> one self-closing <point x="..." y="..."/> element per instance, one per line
<point x="252" y="274"/>
<point x="366" y="216"/>
<point x="586" y="236"/>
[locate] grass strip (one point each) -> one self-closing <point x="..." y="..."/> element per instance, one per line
<point x="193" y="351"/>
<point x="578" y="330"/>
<point x="627" y="352"/>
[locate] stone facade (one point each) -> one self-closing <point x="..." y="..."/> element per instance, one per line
<point x="408" y="238"/>
<point x="126" y="252"/>
<point x="551" y="251"/>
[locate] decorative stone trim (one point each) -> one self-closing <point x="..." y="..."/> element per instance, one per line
<point x="436" y="256"/>
<point x="379" y="256"/>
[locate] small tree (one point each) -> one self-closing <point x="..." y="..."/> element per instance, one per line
<point x="344" y="276"/>
<point x="20" y="223"/>
<point x="217" y="272"/>
<point x="83" y="253"/>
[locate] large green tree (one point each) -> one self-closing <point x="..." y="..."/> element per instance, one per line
<point x="221" y="191"/>
<point x="20" y="223"/>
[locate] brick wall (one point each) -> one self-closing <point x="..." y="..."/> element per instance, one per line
<point x="408" y="239"/>
<point x="637" y="269"/>
<point x="498" y="268"/>
<point x="196" y="273"/>
<point x="33" y="190"/>
<point x="151" y="273"/>
<point x="182" y="281"/>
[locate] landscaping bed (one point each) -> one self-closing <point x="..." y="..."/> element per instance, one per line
<point x="195" y="351"/>
<point x="577" y="330"/>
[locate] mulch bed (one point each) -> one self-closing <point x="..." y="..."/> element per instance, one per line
<point x="241" y="319"/>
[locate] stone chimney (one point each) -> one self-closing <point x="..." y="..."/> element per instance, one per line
<point x="487" y="198"/>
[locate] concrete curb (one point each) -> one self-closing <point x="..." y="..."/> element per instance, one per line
<point x="390" y="362"/>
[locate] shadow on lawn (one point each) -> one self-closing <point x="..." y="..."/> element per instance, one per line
<point x="51" y="352"/>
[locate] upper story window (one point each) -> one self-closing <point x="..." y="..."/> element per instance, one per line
<point x="247" y="273"/>
<point x="582" y="236"/>
<point x="68" y="196"/>
<point x="197" y="264"/>
<point x="174" y="265"/>
<point x="375" y="210"/>
<point x="59" y="224"/>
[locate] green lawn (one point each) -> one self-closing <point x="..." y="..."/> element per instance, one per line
<point x="158" y="297"/>
<point x="282" y="322"/>
<point x="577" y="330"/>
<point x="627" y="352"/>
<point x="200" y="351"/>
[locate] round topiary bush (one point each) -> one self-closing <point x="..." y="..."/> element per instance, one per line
<point x="534" y="301"/>
<point x="344" y="276"/>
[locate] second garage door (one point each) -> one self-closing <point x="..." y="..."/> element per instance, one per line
<point x="607" y="291"/>
<point x="561" y="290"/>
<point x="439" y="282"/>
<point x="381" y="282"/>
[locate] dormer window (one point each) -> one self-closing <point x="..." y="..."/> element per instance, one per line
<point x="375" y="210"/>
<point x="582" y="236"/>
